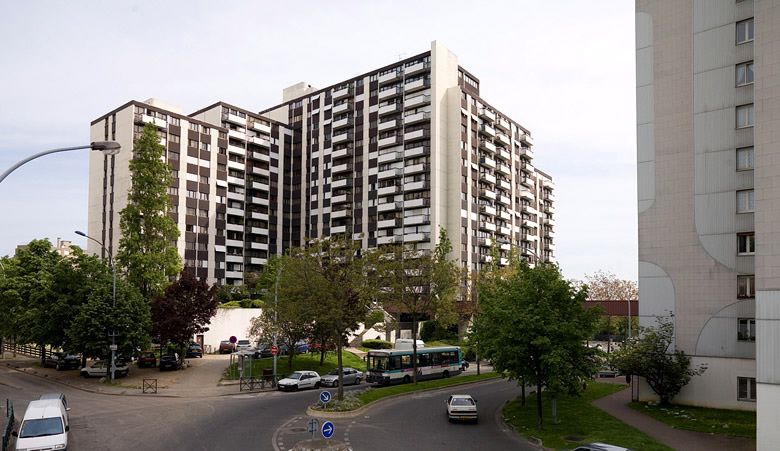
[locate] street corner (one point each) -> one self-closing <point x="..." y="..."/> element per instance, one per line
<point x="309" y="433"/>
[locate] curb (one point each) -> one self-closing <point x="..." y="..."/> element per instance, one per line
<point x="499" y="417"/>
<point x="360" y="410"/>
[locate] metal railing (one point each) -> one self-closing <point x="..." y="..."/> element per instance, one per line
<point x="10" y="421"/>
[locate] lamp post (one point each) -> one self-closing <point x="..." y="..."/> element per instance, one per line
<point x="276" y="313"/>
<point x="113" y="298"/>
<point x="107" y="147"/>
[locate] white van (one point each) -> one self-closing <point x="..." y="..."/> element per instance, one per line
<point x="44" y="426"/>
<point x="406" y="343"/>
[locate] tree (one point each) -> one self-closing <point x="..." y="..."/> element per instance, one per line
<point x="532" y="325"/>
<point x="651" y="356"/>
<point x="147" y="251"/>
<point x="184" y="310"/>
<point x="606" y="286"/>
<point x="419" y="283"/>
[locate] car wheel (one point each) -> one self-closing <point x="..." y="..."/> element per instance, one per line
<point x="357" y="381"/>
<point x="84" y="375"/>
<point x="58" y="367"/>
<point x="317" y="384"/>
<point x="407" y="379"/>
<point x="336" y="383"/>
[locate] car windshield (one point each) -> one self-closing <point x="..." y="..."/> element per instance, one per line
<point x="462" y="402"/>
<point x="40" y="427"/>
<point x="295" y="376"/>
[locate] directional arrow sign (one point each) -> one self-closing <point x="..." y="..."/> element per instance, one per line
<point x="328" y="429"/>
<point x="325" y="397"/>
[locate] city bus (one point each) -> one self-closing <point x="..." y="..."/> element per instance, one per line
<point x="386" y="366"/>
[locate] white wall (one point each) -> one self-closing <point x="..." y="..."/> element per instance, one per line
<point x="228" y="322"/>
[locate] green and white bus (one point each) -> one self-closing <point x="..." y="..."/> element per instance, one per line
<point x="386" y="366"/>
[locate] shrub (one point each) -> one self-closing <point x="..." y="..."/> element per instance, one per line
<point x="377" y="344"/>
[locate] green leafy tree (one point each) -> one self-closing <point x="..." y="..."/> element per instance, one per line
<point x="419" y="283"/>
<point x="147" y="251"/>
<point x="651" y="356"/>
<point x="532" y="325"/>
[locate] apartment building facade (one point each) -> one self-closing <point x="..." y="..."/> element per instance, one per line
<point x="386" y="157"/>
<point x="708" y="204"/>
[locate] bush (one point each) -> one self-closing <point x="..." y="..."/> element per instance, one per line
<point x="377" y="344"/>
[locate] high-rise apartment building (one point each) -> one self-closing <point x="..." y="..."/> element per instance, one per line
<point x="708" y="200"/>
<point x="385" y="157"/>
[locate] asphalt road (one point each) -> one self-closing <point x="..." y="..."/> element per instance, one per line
<point x="262" y="421"/>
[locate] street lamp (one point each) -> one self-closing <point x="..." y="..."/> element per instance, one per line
<point x="107" y="147"/>
<point x="113" y="297"/>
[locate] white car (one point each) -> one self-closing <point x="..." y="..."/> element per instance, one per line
<point x="243" y="345"/>
<point x="461" y="407"/>
<point x="98" y="369"/>
<point x="299" y="380"/>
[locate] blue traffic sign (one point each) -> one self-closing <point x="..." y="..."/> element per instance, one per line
<point x="328" y="429"/>
<point x="325" y="397"/>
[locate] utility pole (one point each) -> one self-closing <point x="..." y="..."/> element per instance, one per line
<point x="276" y="314"/>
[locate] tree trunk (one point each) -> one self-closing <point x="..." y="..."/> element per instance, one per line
<point x="522" y="391"/>
<point x="43" y="354"/>
<point x="539" y="402"/>
<point x="322" y="354"/>
<point x="414" y="346"/>
<point x="341" y="370"/>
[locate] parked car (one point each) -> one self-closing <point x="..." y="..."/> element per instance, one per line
<point x="147" y="359"/>
<point x="265" y="350"/>
<point x="62" y="361"/>
<point x="194" y="350"/>
<point x="302" y="347"/>
<point x="226" y="347"/>
<point x="461" y="407"/>
<point x="44" y="426"/>
<point x="600" y="447"/>
<point x="351" y="376"/>
<point x="99" y="368"/>
<point x="169" y="362"/>
<point x="243" y="345"/>
<point x="299" y="380"/>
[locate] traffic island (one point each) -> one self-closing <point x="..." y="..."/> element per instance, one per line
<point x="320" y="444"/>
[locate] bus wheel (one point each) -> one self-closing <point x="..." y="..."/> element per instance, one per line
<point x="446" y="374"/>
<point x="407" y="379"/>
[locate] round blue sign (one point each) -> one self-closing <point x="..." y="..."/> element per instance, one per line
<point x="233" y="339"/>
<point x="328" y="429"/>
<point x="325" y="397"/>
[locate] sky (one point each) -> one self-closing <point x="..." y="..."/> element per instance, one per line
<point x="565" y="70"/>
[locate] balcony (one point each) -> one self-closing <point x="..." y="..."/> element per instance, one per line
<point x="503" y="261"/>
<point x="487" y="130"/>
<point x="548" y="221"/>
<point x="389" y="239"/>
<point x="504" y="199"/>
<point x="529" y="209"/>
<point x="504" y="231"/>
<point x="504" y="169"/>
<point x="484" y="225"/>
<point x="260" y="127"/>
<point x="415" y="220"/>
<point x="259" y="231"/>
<point x="530" y="223"/>
<point x="389" y="223"/>
<point x="389" y="141"/>
<point x="389" y="156"/>
<point x="390" y="92"/>
<point x="503" y="124"/>
<point x="260" y="201"/>
<point x="391" y="108"/>
<point x="487" y="209"/>
<point x="345" y="152"/>
<point x="526" y="194"/>
<point x="235" y="212"/>
<point x="388" y="190"/>
<point x="488" y="162"/>
<point x="341" y="199"/>
<point x="342" y="137"/>
<point x="505" y="215"/>
<point x="526" y="153"/>
<point x="487" y="115"/>
<point x="235" y="196"/>
<point x="145" y="118"/>
<point x="261" y="171"/>
<point x="527" y="182"/>
<point x="503" y="154"/>
<point x="417" y="134"/>
<point x="417" y="85"/>
<point x="236" y="149"/>
<point x="417" y="237"/>
<point x="341" y="108"/>
<point x="346" y="213"/>
<point x="260" y="141"/>
<point x="234" y="227"/>
<point x="487" y="145"/>
<point x="503" y="139"/>
<point x="417" y="203"/>
<point x="488" y="194"/>
<point x="417" y="67"/>
<point x="235" y="180"/>
<point x="505" y="184"/>
<point x="342" y="183"/>
<point x="549" y="208"/>
<point x="260" y="216"/>
<point x="345" y="167"/>
<point x="414" y="118"/>
<point x="391" y="206"/>
<point x="416" y="186"/>
<point x="259" y="246"/>
<point x="341" y="93"/>
<point x="390" y="173"/>
<point x="236" y="165"/>
<point x="390" y="76"/>
<point x="258" y="261"/>
<point x="234" y="275"/>
<point x="549" y="246"/>
<point x="417" y="151"/>
<point x="237" y="134"/>
<point x="343" y="122"/>
<point x="485" y="241"/>
<point x="234" y="118"/>
<point x="338" y="229"/>
<point x="387" y="125"/>
<point x="485" y="258"/>
<point x="411" y="102"/>
<point x="415" y="168"/>
<point x="487" y="177"/>
<point x="525" y="138"/>
<point x="505" y="246"/>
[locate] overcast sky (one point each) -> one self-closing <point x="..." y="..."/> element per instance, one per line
<point x="563" y="69"/>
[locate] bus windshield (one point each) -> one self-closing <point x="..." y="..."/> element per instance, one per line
<point x="377" y="362"/>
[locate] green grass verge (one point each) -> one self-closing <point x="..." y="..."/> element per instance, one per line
<point x="309" y="362"/>
<point x="737" y="423"/>
<point x="579" y="421"/>
<point x="375" y="394"/>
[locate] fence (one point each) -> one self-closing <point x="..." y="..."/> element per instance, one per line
<point x="10" y="421"/>
<point x="25" y="349"/>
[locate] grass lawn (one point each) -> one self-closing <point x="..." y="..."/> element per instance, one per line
<point x="375" y="394"/>
<point x="718" y="421"/>
<point x="310" y="362"/>
<point x="579" y="422"/>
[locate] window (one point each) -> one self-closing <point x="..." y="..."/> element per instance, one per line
<point x="746" y="388"/>
<point x="746" y="329"/>
<point x="745" y="116"/>
<point x="745" y="31"/>
<point x="746" y="243"/>
<point x="173" y="190"/>
<point x="745" y="159"/>
<point x="746" y="287"/>
<point x="745" y="73"/>
<point x="745" y="201"/>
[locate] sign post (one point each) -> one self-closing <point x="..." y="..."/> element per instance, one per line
<point x="313" y="426"/>
<point x="328" y="429"/>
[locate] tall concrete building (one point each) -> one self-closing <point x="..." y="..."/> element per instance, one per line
<point x="385" y="157"/>
<point x="709" y="204"/>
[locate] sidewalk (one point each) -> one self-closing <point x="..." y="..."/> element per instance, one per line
<point x="617" y="406"/>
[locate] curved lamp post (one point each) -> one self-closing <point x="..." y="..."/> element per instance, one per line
<point x="107" y="147"/>
<point x="113" y="299"/>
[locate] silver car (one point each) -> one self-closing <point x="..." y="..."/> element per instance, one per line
<point x="351" y="376"/>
